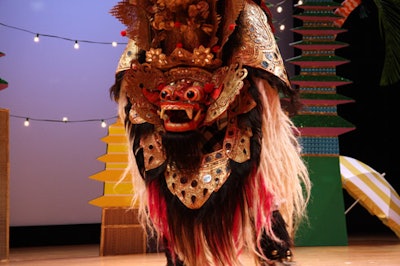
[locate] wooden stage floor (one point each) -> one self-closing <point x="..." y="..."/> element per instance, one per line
<point x="361" y="251"/>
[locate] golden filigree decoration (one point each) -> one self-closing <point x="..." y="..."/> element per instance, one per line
<point x="156" y="56"/>
<point x="232" y="83"/>
<point x="237" y="141"/>
<point x="129" y="54"/>
<point x="152" y="149"/>
<point x="142" y="76"/>
<point x="202" y="56"/>
<point x="194" y="189"/>
<point x="258" y="46"/>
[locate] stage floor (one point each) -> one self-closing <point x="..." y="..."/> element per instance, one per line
<point x="361" y="251"/>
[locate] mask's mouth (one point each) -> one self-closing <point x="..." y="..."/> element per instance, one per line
<point x="182" y="117"/>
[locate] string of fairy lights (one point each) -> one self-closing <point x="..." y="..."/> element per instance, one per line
<point x="278" y="8"/>
<point x="27" y="119"/>
<point x="65" y="120"/>
<point x="76" y="42"/>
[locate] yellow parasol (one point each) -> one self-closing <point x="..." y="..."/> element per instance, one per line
<point x="372" y="191"/>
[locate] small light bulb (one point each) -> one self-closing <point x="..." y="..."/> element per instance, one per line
<point x="300" y="2"/>
<point x="26" y="122"/>
<point x="76" y="45"/>
<point x="65" y="119"/>
<point x="114" y="44"/>
<point x="282" y="27"/>
<point x="103" y="124"/>
<point x="36" y="38"/>
<point x="279" y="9"/>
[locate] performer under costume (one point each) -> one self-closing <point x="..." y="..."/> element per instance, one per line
<point x="214" y="156"/>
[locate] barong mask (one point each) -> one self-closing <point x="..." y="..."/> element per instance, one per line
<point x="182" y="83"/>
<point x="215" y="164"/>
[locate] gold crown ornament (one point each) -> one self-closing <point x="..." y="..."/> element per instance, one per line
<point x="192" y="33"/>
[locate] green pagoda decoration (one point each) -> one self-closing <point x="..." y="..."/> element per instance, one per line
<point x="319" y="122"/>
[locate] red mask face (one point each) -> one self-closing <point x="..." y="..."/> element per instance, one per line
<point x="181" y="99"/>
<point x="182" y="104"/>
<point x="178" y="99"/>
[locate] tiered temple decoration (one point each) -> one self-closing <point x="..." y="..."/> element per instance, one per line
<point x="319" y="122"/>
<point x="121" y="232"/>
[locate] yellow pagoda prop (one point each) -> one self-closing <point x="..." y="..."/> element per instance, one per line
<point x="121" y="232"/>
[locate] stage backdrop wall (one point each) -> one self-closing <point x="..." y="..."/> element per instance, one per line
<point x="51" y="162"/>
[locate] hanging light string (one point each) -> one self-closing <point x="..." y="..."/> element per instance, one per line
<point x="278" y="8"/>
<point x="75" y="41"/>
<point x="64" y="120"/>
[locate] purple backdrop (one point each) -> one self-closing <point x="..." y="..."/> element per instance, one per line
<point x="50" y="162"/>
